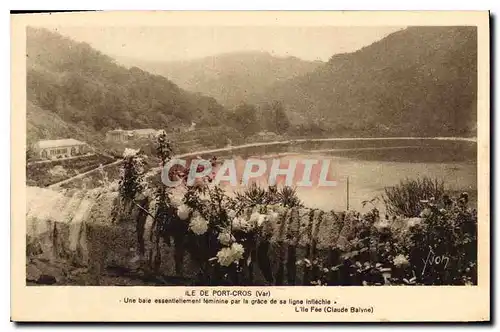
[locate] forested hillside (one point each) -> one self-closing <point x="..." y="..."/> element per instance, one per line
<point x="418" y="81"/>
<point x="231" y="78"/>
<point x="42" y="124"/>
<point x="79" y="86"/>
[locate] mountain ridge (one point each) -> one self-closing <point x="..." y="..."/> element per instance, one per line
<point x="416" y="81"/>
<point x="82" y="86"/>
<point x="420" y="80"/>
<point x="231" y="78"/>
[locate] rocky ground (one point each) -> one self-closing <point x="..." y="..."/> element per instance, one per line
<point x="40" y="272"/>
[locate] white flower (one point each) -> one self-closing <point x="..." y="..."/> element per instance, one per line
<point x="183" y="211"/>
<point x="257" y="219"/>
<point x="113" y="186"/>
<point x="400" y="260"/>
<point x="271" y="207"/>
<point x="231" y="214"/>
<point x="281" y="209"/>
<point x="411" y="222"/>
<point x="160" y="132"/>
<point x="254" y="218"/>
<point x="227" y="256"/>
<point x="225" y="238"/>
<point x="135" y="259"/>
<point x="350" y="214"/>
<point x="129" y="152"/>
<point x="240" y="224"/>
<point x="198" y="225"/>
<point x="316" y="283"/>
<point x="261" y="220"/>
<point x="425" y="213"/>
<point x="176" y="200"/>
<point x="238" y="250"/>
<point x="273" y="217"/>
<point x="382" y="224"/>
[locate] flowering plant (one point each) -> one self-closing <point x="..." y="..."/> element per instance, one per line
<point x="226" y="238"/>
<point x="229" y="255"/>
<point x="183" y="211"/>
<point x="198" y="225"/>
<point x="438" y="248"/>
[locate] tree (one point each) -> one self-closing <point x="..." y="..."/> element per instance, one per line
<point x="163" y="147"/>
<point x="30" y="154"/>
<point x="132" y="174"/>
<point x="280" y="122"/>
<point x="244" y="118"/>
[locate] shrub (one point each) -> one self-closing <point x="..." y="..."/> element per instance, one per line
<point x="226" y="241"/>
<point x="253" y="195"/>
<point x="40" y="173"/>
<point x="256" y="195"/>
<point x="448" y="230"/>
<point x="58" y="171"/>
<point x="288" y="197"/>
<point x="437" y="249"/>
<point x="163" y="147"/>
<point x="409" y="196"/>
<point x="132" y="174"/>
<point x="211" y="208"/>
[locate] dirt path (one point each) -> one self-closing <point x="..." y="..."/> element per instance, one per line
<point x="62" y="159"/>
<point x="56" y="185"/>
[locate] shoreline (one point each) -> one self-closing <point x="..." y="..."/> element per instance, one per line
<point x="331" y="139"/>
<point x="155" y="170"/>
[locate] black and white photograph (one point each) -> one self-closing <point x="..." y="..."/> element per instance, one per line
<point x="254" y="157"/>
<point x="251" y="156"/>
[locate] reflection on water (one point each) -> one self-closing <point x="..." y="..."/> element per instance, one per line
<point x="372" y="168"/>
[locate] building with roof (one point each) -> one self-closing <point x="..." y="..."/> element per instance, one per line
<point x="144" y="133"/>
<point x="117" y="135"/>
<point x="120" y="135"/>
<point x="60" y="148"/>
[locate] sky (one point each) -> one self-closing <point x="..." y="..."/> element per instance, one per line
<point x="186" y="43"/>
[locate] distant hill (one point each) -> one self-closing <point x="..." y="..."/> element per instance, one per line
<point x="42" y="124"/>
<point x="74" y="90"/>
<point x="230" y="78"/>
<point x="417" y="81"/>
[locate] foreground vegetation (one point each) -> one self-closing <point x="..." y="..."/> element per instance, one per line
<point x="428" y="241"/>
<point x="47" y="173"/>
<point x="266" y="235"/>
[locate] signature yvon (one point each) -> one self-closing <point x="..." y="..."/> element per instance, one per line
<point x="433" y="259"/>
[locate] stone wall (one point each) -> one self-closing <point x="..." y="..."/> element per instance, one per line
<point x="81" y="230"/>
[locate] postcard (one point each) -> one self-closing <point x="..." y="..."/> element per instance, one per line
<point x="250" y="166"/>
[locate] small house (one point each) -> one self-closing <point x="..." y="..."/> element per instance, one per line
<point x="119" y="135"/>
<point x="144" y="133"/>
<point x="60" y="148"/>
